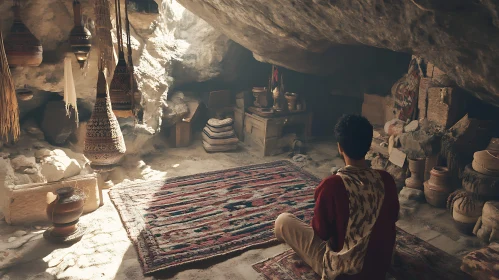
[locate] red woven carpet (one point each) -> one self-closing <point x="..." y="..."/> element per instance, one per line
<point x="415" y="259"/>
<point x="198" y="217"/>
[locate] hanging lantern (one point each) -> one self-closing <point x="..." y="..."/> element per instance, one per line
<point x="24" y="94"/>
<point x="104" y="144"/>
<point x="121" y="98"/>
<point x="21" y="46"/>
<point x="80" y="37"/>
<point x="120" y="88"/>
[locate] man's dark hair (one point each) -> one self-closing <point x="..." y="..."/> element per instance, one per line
<point x="355" y="134"/>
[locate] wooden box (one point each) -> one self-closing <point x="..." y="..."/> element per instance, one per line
<point x="239" y="123"/>
<point x="267" y="134"/>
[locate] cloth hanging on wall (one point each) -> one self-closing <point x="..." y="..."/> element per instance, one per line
<point x="9" y="109"/>
<point x="69" y="89"/>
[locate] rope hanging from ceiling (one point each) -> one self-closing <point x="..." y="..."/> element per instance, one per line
<point x="120" y="89"/>
<point x="9" y="110"/>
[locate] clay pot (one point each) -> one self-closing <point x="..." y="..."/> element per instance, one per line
<point x="417" y="168"/>
<point x="21" y="46"/>
<point x="484" y="186"/>
<point x="437" y="189"/>
<point x="486" y="162"/>
<point x="80" y="37"/>
<point x="120" y="89"/>
<point x="291" y="98"/>
<point x="65" y="211"/>
<point x="104" y="144"/>
<point x="465" y="211"/>
<point x="431" y="162"/>
<point x="258" y="92"/>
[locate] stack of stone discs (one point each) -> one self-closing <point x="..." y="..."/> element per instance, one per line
<point x="219" y="136"/>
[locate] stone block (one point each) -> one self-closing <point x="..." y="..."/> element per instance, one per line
<point x="445" y="106"/>
<point x="23" y="204"/>
<point x="437" y="76"/>
<point x="411" y="194"/>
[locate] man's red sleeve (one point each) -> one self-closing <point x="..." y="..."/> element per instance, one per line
<point x="324" y="210"/>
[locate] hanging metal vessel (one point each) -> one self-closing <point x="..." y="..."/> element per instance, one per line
<point x="21" y="46"/>
<point x="120" y="89"/>
<point x="24" y="94"/>
<point x="104" y="144"/>
<point x="80" y="37"/>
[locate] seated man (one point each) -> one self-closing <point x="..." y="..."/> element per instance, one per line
<point x="352" y="235"/>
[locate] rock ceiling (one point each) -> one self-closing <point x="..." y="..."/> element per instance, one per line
<point x="458" y="36"/>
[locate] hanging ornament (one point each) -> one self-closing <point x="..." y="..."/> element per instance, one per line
<point x="24" y="94"/>
<point x="9" y="109"/>
<point x="136" y="96"/>
<point x="21" y="46"/>
<point x="104" y="144"/>
<point x="69" y="89"/>
<point x="80" y="37"/>
<point x="103" y="29"/>
<point x="120" y="90"/>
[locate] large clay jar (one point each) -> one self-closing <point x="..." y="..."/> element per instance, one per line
<point x="466" y="209"/>
<point x="437" y="189"/>
<point x="484" y="186"/>
<point x="21" y="46"/>
<point x="486" y="162"/>
<point x="104" y="144"/>
<point x="417" y="168"/>
<point x="65" y="211"/>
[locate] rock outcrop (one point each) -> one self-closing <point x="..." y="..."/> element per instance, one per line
<point x="459" y="37"/>
<point x="170" y="47"/>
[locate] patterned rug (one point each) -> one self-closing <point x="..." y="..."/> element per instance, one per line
<point x="199" y="217"/>
<point x="414" y="259"/>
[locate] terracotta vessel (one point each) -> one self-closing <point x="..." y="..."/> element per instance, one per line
<point x="291" y="98"/>
<point x="80" y="37"/>
<point x="257" y="91"/>
<point x="486" y="162"/>
<point x="465" y="212"/>
<point x="438" y="188"/>
<point x="120" y="89"/>
<point x="104" y="144"/>
<point x="65" y="211"/>
<point x="417" y="168"/>
<point x="481" y="185"/>
<point x="21" y="46"/>
<point x="431" y="162"/>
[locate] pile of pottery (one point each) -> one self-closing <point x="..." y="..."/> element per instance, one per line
<point x="219" y="136"/>
<point x="480" y="184"/>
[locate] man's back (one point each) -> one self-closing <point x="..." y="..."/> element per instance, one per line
<point x="331" y="216"/>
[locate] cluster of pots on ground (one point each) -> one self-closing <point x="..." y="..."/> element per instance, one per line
<point x="474" y="207"/>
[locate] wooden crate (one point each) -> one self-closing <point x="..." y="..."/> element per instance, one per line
<point x="181" y="132"/>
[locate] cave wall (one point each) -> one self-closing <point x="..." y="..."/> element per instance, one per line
<point x="460" y="37"/>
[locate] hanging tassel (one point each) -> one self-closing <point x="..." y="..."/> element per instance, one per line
<point x="69" y="89"/>
<point x="9" y="109"/>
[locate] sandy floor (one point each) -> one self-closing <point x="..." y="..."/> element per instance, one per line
<point x="105" y="252"/>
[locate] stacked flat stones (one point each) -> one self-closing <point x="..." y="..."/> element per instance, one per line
<point x="219" y="136"/>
